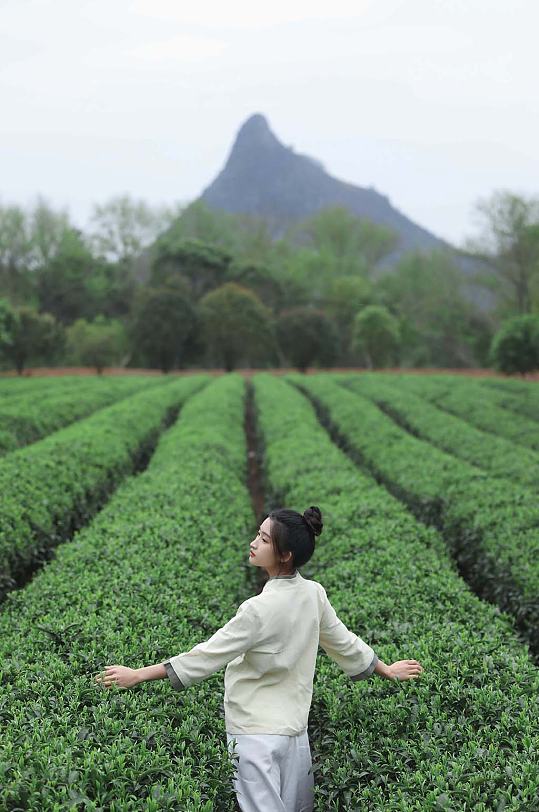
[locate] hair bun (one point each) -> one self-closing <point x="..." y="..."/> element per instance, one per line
<point x="313" y="517"/>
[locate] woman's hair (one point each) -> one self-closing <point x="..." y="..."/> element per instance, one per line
<point x="295" y="532"/>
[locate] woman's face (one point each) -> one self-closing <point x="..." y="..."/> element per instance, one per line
<point x="264" y="554"/>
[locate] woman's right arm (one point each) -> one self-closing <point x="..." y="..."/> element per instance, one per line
<point x="203" y="660"/>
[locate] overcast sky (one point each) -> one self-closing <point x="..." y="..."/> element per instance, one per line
<point x="432" y="102"/>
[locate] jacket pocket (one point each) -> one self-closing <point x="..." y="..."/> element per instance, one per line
<point x="264" y="660"/>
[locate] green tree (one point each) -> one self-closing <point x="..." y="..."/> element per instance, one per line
<point x="261" y="280"/>
<point x="204" y="266"/>
<point x="7" y="318"/>
<point x="509" y="245"/>
<point x="100" y="343"/>
<point x="236" y="326"/>
<point x="376" y="335"/>
<point x="515" y="347"/>
<point x="163" y="319"/>
<point x="246" y="237"/>
<point x="28" y="240"/>
<point x="344" y="296"/>
<point x="438" y="326"/>
<point x="306" y="336"/>
<point x="68" y="285"/>
<point x="346" y="243"/>
<point x="122" y="227"/>
<point x="47" y="228"/>
<point x="15" y="252"/>
<point x="32" y="336"/>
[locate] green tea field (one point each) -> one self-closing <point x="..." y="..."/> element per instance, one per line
<point x="127" y="509"/>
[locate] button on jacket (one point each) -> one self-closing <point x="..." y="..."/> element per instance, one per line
<point x="270" y="648"/>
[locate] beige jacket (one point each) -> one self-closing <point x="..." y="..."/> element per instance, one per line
<point x="269" y="648"/>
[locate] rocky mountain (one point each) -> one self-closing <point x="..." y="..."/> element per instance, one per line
<point x="265" y="178"/>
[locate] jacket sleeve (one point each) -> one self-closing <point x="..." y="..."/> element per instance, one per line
<point x="350" y="652"/>
<point x="204" y="659"/>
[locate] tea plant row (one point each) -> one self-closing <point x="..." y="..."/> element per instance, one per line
<point x="479" y="406"/>
<point x="29" y="417"/>
<point x="159" y="569"/>
<point x="53" y="487"/>
<point x="465" y="735"/>
<point x="423" y="419"/>
<point x="519" y="396"/>
<point x="490" y="523"/>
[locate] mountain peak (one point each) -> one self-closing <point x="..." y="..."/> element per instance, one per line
<point x="254" y="137"/>
<point x="264" y="178"/>
<point x="257" y="124"/>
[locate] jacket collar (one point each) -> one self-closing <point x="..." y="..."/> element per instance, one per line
<point x="273" y="577"/>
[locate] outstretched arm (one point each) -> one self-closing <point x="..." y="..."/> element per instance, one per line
<point x="399" y="670"/>
<point x="125" y="677"/>
<point x="203" y="660"/>
<point x="354" y="655"/>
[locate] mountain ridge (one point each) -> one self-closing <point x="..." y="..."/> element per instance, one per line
<point x="263" y="177"/>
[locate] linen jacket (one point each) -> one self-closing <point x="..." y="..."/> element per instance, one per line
<point x="269" y="648"/>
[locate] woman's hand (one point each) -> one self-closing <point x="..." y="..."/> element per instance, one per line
<point x="405" y="669"/>
<point x="118" y="675"/>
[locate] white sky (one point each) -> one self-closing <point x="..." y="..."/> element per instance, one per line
<point x="432" y="102"/>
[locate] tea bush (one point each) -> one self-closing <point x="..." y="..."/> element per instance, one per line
<point x="465" y="734"/>
<point x="453" y="434"/>
<point x="53" y="487"/>
<point x="491" y="524"/>
<point x="159" y="569"/>
<point x="27" y="418"/>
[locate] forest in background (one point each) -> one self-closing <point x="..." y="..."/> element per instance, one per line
<point x="180" y="287"/>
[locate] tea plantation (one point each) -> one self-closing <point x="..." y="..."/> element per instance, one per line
<point x="127" y="509"/>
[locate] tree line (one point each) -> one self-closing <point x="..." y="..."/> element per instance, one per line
<point x="179" y="287"/>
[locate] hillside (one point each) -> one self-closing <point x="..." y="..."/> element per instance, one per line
<point x="263" y="177"/>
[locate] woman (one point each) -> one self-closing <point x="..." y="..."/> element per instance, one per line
<point x="270" y="648"/>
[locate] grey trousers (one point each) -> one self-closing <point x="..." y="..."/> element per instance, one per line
<point x="272" y="772"/>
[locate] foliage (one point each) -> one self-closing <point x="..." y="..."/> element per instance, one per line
<point x="7" y="325"/>
<point x="509" y="244"/>
<point x="333" y="261"/>
<point x="491" y="541"/>
<point x="515" y="395"/>
<point x="438" y="327"/>
<point x="28" y="414"/>
<point x="66" y="285"/>
<point x="378" y="744"/>
<point x="346" y="243"/>
<point x="343" y="297"/>
<point x="122" y="227"/>
<point x="462" y="399"/>
<point x="154" y="574"/>
<point x="56" y="485"/>
<point x="376" y="335"/>
<point x="203" y="265"/>
<point x="247" y="238"/>
<point x="163" y="319"/>
<point x="306" y="335"/>
<point x="236" y="326"/>
<point x="515" y="347"/>
<point x="261" y="281"/>
<point x="28" y="241"/>
<point x="496" y="454"/>
<point x="32" y="336"/>
<point x="98" y="344"/>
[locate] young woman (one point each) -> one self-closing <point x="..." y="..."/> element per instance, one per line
<point x="270" y="648"/>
